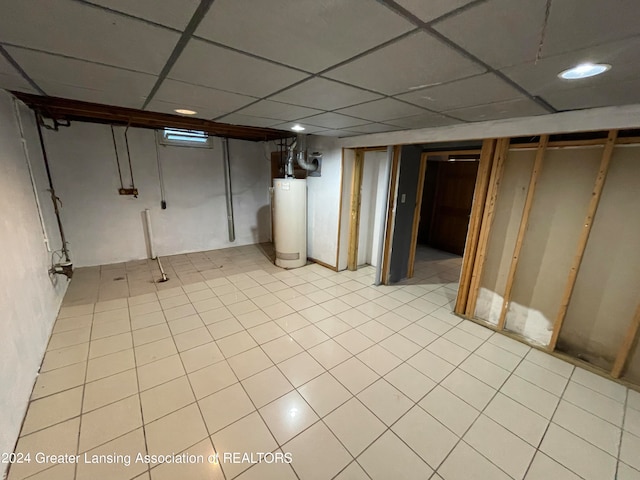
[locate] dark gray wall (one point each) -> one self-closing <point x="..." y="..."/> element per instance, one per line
<point x="407" y="186"/>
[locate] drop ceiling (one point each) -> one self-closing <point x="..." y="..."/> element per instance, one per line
<point x="338" y="67"/>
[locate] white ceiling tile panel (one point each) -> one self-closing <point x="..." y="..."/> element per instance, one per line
<point x="194" y="96"/>
<point x="423" y="120"/>
<point x="542" y="77"/>
<point x="338" y="133"/>
<point x="332" y="120"/>
<point x="278" y="110"/>
<point x="592" y="95"/>
<point x="15" y="82"/>
<point x="481" y="89"/>
<point x="432" y="9"/>
<point x="211" y="66"/>
<point x="111" y="97"/>
<point x="373" y="128"/>
<point x="324" y="94"/>
<point x="307" y="128"/>
<point x="575" y="24"/>
<point x="248" y="120"/>
<point x="501" y="110"/>
<point x="382" y="110"/>
<point x="172" y="13"/>
<point x="10" y="79"/>
<point x="63" y="75"/>
<point x="418" y="59"/>
<point x="499" y="32"/>
<point x="168" y="107"/>
<point x="82" y="31"/>
<point x="307" y="34"/>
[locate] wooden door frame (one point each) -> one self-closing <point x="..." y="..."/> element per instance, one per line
<point x="416" y="214"/>
<point x="391" y="208"/>
<point x="354" y="213"/>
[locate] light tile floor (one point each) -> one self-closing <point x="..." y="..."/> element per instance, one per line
<point x="354" y="381"/>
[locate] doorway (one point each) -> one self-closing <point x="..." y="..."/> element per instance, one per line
<point x="431" y="213"/>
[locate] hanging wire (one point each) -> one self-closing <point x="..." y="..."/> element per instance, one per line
<point x="544" y="30"/>
<point x="115" y="148"/>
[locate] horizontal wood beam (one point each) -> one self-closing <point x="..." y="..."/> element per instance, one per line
<point x="63" y="109"/>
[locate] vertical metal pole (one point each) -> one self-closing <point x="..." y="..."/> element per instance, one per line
<point x="228" y="192"/>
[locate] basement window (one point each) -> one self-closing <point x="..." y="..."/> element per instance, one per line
<point x="184" y="138"/>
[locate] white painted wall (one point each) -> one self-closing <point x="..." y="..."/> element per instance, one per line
<point x="29" y="298"/>
<point x="323" y="201"/>
<point x="575" y="121"/>
<point x="104" y="227"/>
<point x="372" y="207"/>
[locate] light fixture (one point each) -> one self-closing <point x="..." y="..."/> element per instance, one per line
<point x="185" y="111"/>
<point x="584" y="70"/>
<point x="297" y="128"/>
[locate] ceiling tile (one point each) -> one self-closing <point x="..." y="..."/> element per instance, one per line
<point x="381" y="110"/>
<point x="596" y="95"/>
<point x="65" y="76"/>
<point x="418" y="59"/>
<point x="172" y="13"/>
<point x="324" y="94"/>
<point x="278" y="110"/>
<point x="575" y="24"/>
<point x="112" y="97"/>
<point x="206" y="113"/>
<point x="247" y="120"/>
<point x="541" y="78"/>
<point x="307" y="128"/>
<point x="307" y="34"/>
<point x="427" y="11"/>
<point x="205" y="64"/>
<point x="499" y="32"/>
<point x="82" y="31"/>
<point x="338" y="133"/>
<point x="481" y="89"/>
<point x="15" y="82"/>
<point x="501" y="110"/>
<point x="332" y="120"/>
<point x="424" y="120"/>
<point x="10" y="79"/>
<point x="373" y="128"/>
<point x="191" y="96"/>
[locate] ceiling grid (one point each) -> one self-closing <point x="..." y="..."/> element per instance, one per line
<point x="338" y="67"/>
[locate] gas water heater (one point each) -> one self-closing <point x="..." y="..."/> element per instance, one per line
<point x="290" y="207"/>
<point x="290" y="221"/>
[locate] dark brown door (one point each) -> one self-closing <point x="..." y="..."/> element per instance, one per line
<point x="452" y="205"/>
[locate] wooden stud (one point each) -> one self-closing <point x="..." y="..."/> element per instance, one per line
<point x="524" y="224"/>
<point x="354" y="217"/>
<point x="416" y="215"/>
<point x="453" y="153"/>
<point x="625" y="349"/>
<point x="473" y="232"/>
<point x="502" y="149"/>
<point x="584" y="237"/>
<point x="391" y="202"/>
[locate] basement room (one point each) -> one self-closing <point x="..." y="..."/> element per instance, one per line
<point x="319" y="240"/>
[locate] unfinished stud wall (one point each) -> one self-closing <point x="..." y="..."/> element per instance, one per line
<point x="104" y="227"/>
<point x="557" y="214"/>
<point x="502" y="237"/>
<point x="372" y="206"/>
<point x="606" y="292"/>
<point x="30" y="298"/>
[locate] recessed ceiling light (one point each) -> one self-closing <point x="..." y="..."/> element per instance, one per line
<point x="297" y="128"/>
<point x="584" y="70"/>
<point x="185" y="111"/>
